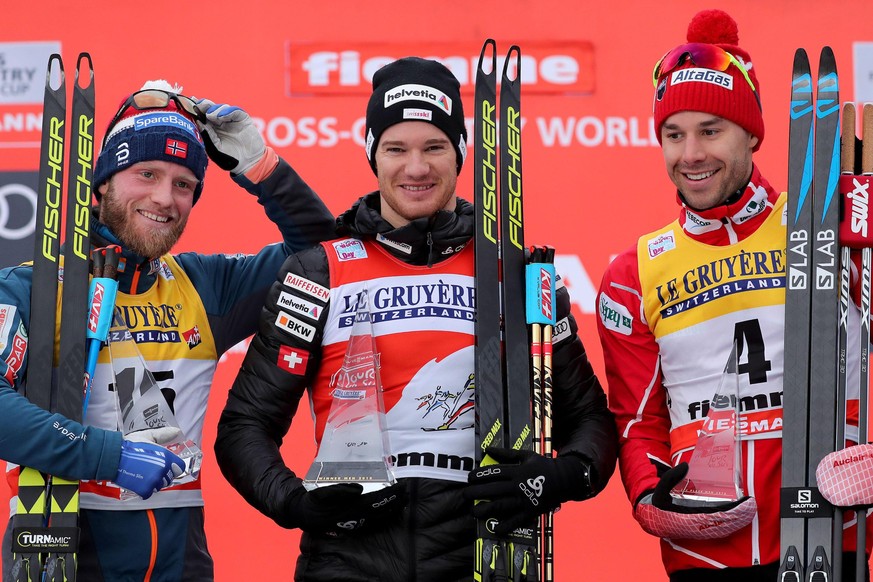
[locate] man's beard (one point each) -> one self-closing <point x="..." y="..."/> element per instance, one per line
<point x="114" y="215"/>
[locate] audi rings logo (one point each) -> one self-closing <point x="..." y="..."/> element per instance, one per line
<point x="8" y="228"/>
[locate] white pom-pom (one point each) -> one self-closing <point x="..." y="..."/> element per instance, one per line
<point x="162" y="85"/>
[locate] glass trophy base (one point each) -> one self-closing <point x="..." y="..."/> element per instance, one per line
<point x="372" y="475"/>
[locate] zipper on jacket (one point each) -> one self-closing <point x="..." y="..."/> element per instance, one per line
<point x="429" y="249"/>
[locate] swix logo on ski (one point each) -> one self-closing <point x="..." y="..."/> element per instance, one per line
<point x="306" y="286"/>
<point x="415" y="92"/>
<point x="661" y="244"/>
<point x="96" y="306"/>
<point x="150" y="323"/>
<point x="299" y="306"/>
<point x="326" y="68"/>
<point x="739" y="273"/>
<point x="439" y="299"/>
<point x="702" y="75"/>
<point x="860" y="205"/>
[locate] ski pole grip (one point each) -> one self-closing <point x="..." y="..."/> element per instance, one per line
<point x="855" y="229"/>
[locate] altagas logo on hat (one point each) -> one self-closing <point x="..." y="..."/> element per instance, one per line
<point x="702" y="76"/>
<point x="415" y="92"/>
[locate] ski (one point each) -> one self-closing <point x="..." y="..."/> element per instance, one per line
<point x="824" y="304"/>
<point x="44" y="544"/>
<point x="502" y="368"/>
<point x="855" y="185"/>
<point x="29" y="520"/>
<point x="811" y="320"/>
<point x="68" y="398"/>
<point x="516" y="339"/>
<point x="490" y="563"/>
<point x="797" y="318"/>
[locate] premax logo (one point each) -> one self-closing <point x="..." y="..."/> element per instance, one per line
<point x="333" y="68"/>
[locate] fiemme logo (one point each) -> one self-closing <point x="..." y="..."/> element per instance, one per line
<point x="334" y="68"/>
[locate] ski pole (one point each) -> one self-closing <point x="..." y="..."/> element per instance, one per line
<point x="104" y="289"/>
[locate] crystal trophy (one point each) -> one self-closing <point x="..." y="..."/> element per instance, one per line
<point x="354" y="445"/>
<point x="141" y="405"/>
<point x="714" y="474"/>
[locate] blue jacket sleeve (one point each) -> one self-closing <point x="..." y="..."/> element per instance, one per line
<point x="32" y="436"/>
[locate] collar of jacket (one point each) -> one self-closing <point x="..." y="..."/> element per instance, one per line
<point x="132" y="267"/>
<point x="732" y="222"/>
<point x="423" y="241"/>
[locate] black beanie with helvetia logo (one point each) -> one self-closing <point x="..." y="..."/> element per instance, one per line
<point x="416" y="89"/>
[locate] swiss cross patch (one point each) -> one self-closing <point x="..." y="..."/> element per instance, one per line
<point x="293" y="360"/>
<point x="176" y="148"/>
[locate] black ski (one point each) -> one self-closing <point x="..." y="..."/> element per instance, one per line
<point x="68" y="399"/>
<point x="516" y="340"/>
<point x="29" y="520"/>
<point x="490" y="562"/>
<point x="44" y="544"/>
<point x="811" y="320"/>
<point x="797" y="318"/>
<point x="503" y="388"/>
<point x="825" y="302"/>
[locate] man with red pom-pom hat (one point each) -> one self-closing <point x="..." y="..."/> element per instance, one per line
<point x="673" y="306"/>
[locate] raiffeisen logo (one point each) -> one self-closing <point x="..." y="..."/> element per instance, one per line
<point x="327" y="68"/>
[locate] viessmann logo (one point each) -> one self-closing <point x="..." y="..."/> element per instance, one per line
<point x="331" y="68"/>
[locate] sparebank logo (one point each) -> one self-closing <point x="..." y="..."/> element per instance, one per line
<point x="333" y="68"/>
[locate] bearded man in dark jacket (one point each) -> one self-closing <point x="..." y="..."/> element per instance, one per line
<point x="407" y="246"/>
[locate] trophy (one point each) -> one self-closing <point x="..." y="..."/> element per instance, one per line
<point x="354" y="445"/>
<point x="141" y="405"/>
<point x="714" y="474"/>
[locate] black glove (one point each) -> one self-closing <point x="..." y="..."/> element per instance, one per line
<point x="524" y="485"/>
<point x="343" y="508"/>
<point x="662" y="499"/>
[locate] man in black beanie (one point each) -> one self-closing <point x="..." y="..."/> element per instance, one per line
<point x="407" y="245"/>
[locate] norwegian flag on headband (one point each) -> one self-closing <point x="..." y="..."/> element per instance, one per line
<point x="176" y="148"/>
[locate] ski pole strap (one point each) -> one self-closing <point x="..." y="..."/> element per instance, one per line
<point x="540" y="286"/>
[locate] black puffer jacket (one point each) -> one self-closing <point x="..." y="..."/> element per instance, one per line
<point x="434" y="536"/>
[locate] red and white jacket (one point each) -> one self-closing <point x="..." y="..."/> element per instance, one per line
<point x="670" y="309"/>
